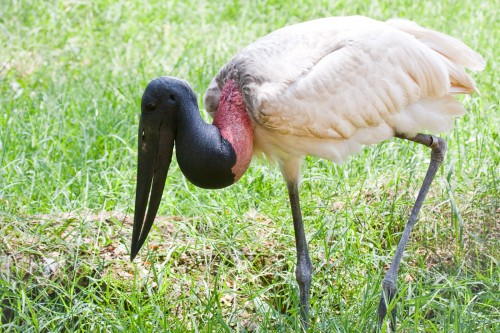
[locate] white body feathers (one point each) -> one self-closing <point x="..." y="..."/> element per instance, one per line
<point x="328" y="86"/>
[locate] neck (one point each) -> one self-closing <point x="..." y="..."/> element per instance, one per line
<point x="217" y="155"/>
<point x="234" y="124"/>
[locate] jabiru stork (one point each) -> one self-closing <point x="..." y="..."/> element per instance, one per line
<point x="322" y="88"/>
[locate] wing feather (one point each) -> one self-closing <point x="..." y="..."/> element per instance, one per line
<point x="329" y="78"/>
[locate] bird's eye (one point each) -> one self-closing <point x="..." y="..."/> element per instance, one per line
<point x="151" y="106"/>
<point x="172" y="97"/>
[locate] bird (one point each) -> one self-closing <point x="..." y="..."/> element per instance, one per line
<point x="324" y="88"/>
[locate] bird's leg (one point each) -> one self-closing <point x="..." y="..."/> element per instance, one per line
<point x="304" y="266"/>
<point x="389" y="291"/>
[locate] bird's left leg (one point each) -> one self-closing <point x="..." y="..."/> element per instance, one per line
<point x="438" y="147"/>
<point x="304" y="266"/>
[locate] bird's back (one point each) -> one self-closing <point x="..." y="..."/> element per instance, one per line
<point x="327" y="86"/>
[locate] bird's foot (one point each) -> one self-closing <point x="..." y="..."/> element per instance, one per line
<point x="303" y="275"/>
<point x="389" y="292"/>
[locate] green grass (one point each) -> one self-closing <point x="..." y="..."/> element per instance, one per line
<point x="71" y="78"/>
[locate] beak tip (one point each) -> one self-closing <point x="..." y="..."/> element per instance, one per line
<point x="133" y="253"/>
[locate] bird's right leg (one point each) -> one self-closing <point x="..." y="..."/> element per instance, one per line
<point x="304" y="266"/>
<point x="389" y="291"/>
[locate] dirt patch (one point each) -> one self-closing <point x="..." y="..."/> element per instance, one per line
<point x="65" y="249"/>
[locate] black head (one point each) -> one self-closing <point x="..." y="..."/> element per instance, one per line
<point x="157" y="131"/>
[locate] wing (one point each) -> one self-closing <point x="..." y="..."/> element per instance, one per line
<point x="329" y="78"/>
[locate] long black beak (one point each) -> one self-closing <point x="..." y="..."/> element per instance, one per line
<point x="156" y="143"/>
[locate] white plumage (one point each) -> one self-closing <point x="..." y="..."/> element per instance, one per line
<point x="328" y="86"/>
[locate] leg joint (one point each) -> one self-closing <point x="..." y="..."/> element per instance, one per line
<point x="303" y="272"/>
<point x="439" y="147"/>
<point x="389" y="284"/>
<point x="437" y="144"/>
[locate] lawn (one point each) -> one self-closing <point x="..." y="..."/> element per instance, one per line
<point x="71" y="78"/>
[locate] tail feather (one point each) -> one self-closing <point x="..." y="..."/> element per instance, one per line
<point x="456" y="55"/>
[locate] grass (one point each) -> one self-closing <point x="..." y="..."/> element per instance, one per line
<point x="71" y="77"/>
